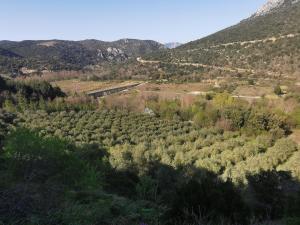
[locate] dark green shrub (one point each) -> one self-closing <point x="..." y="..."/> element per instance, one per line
<point x="277" y="90"/>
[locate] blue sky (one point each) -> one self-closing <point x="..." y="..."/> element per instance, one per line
<point x="160" y="20"/>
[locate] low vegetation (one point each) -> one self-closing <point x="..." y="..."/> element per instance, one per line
<point x="218" y="161"/>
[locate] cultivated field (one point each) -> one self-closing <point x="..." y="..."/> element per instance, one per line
<point x="77" y="86"/>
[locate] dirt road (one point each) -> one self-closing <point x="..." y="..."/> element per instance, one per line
<point x="239" y="70"/>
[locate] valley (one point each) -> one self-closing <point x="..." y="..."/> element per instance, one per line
<point x="135" y="132"/>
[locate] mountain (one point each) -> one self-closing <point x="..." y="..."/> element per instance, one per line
<point x="265" y="43"/>
<point x="69" y="55"/>
<point x="172" y="45"/>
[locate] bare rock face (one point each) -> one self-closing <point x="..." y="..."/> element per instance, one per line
<point x="268" y="7"/>
<point x="111" y="54"/>
<point x="115" y="54"/>
<point x="272" y="5"/>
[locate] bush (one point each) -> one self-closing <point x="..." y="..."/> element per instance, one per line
<point x="33" y="158"/>
<point x="49" y="181"/>
<point x="277" y="90"/>
<point x="211" y="198"/>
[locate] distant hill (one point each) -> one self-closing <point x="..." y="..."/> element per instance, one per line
<point x="130" y="47"/>
<point x="267" y="42"/>
<point x="68" y="55"/>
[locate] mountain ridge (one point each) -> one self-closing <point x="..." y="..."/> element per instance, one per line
<point x="58" y="55"/>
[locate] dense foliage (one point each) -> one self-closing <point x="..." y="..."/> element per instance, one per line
<point x="225" y="112"/>
<point x="148" y="170"/>
<point x="6" y="121"/>
<point x="12" y="91"/>
<point x="48" y="181"/>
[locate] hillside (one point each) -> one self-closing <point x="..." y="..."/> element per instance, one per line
<point x="68" y="55"/>
<point x="266" y="42"/>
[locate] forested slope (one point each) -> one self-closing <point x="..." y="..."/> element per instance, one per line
<point x="267" y="43"/>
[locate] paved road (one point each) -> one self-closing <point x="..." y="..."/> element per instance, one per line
<point x="114" y="90"/>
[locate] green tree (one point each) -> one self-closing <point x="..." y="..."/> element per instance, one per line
<point x="223" y="100"/>
<point x="21" y="102"/>
<point x="9" y="106"/>
<point x="2" y="84"/>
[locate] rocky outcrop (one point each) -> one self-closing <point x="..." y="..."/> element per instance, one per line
<point x="268" y="7"/>
<point x="111" y="54"/>
<point x="272" y="5"/>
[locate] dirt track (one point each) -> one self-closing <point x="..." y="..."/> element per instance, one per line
<point x="242" y="43"/>
<point x="239" y="70"/>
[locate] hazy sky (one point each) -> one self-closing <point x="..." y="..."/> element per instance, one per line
<point x="160" y="20"/>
